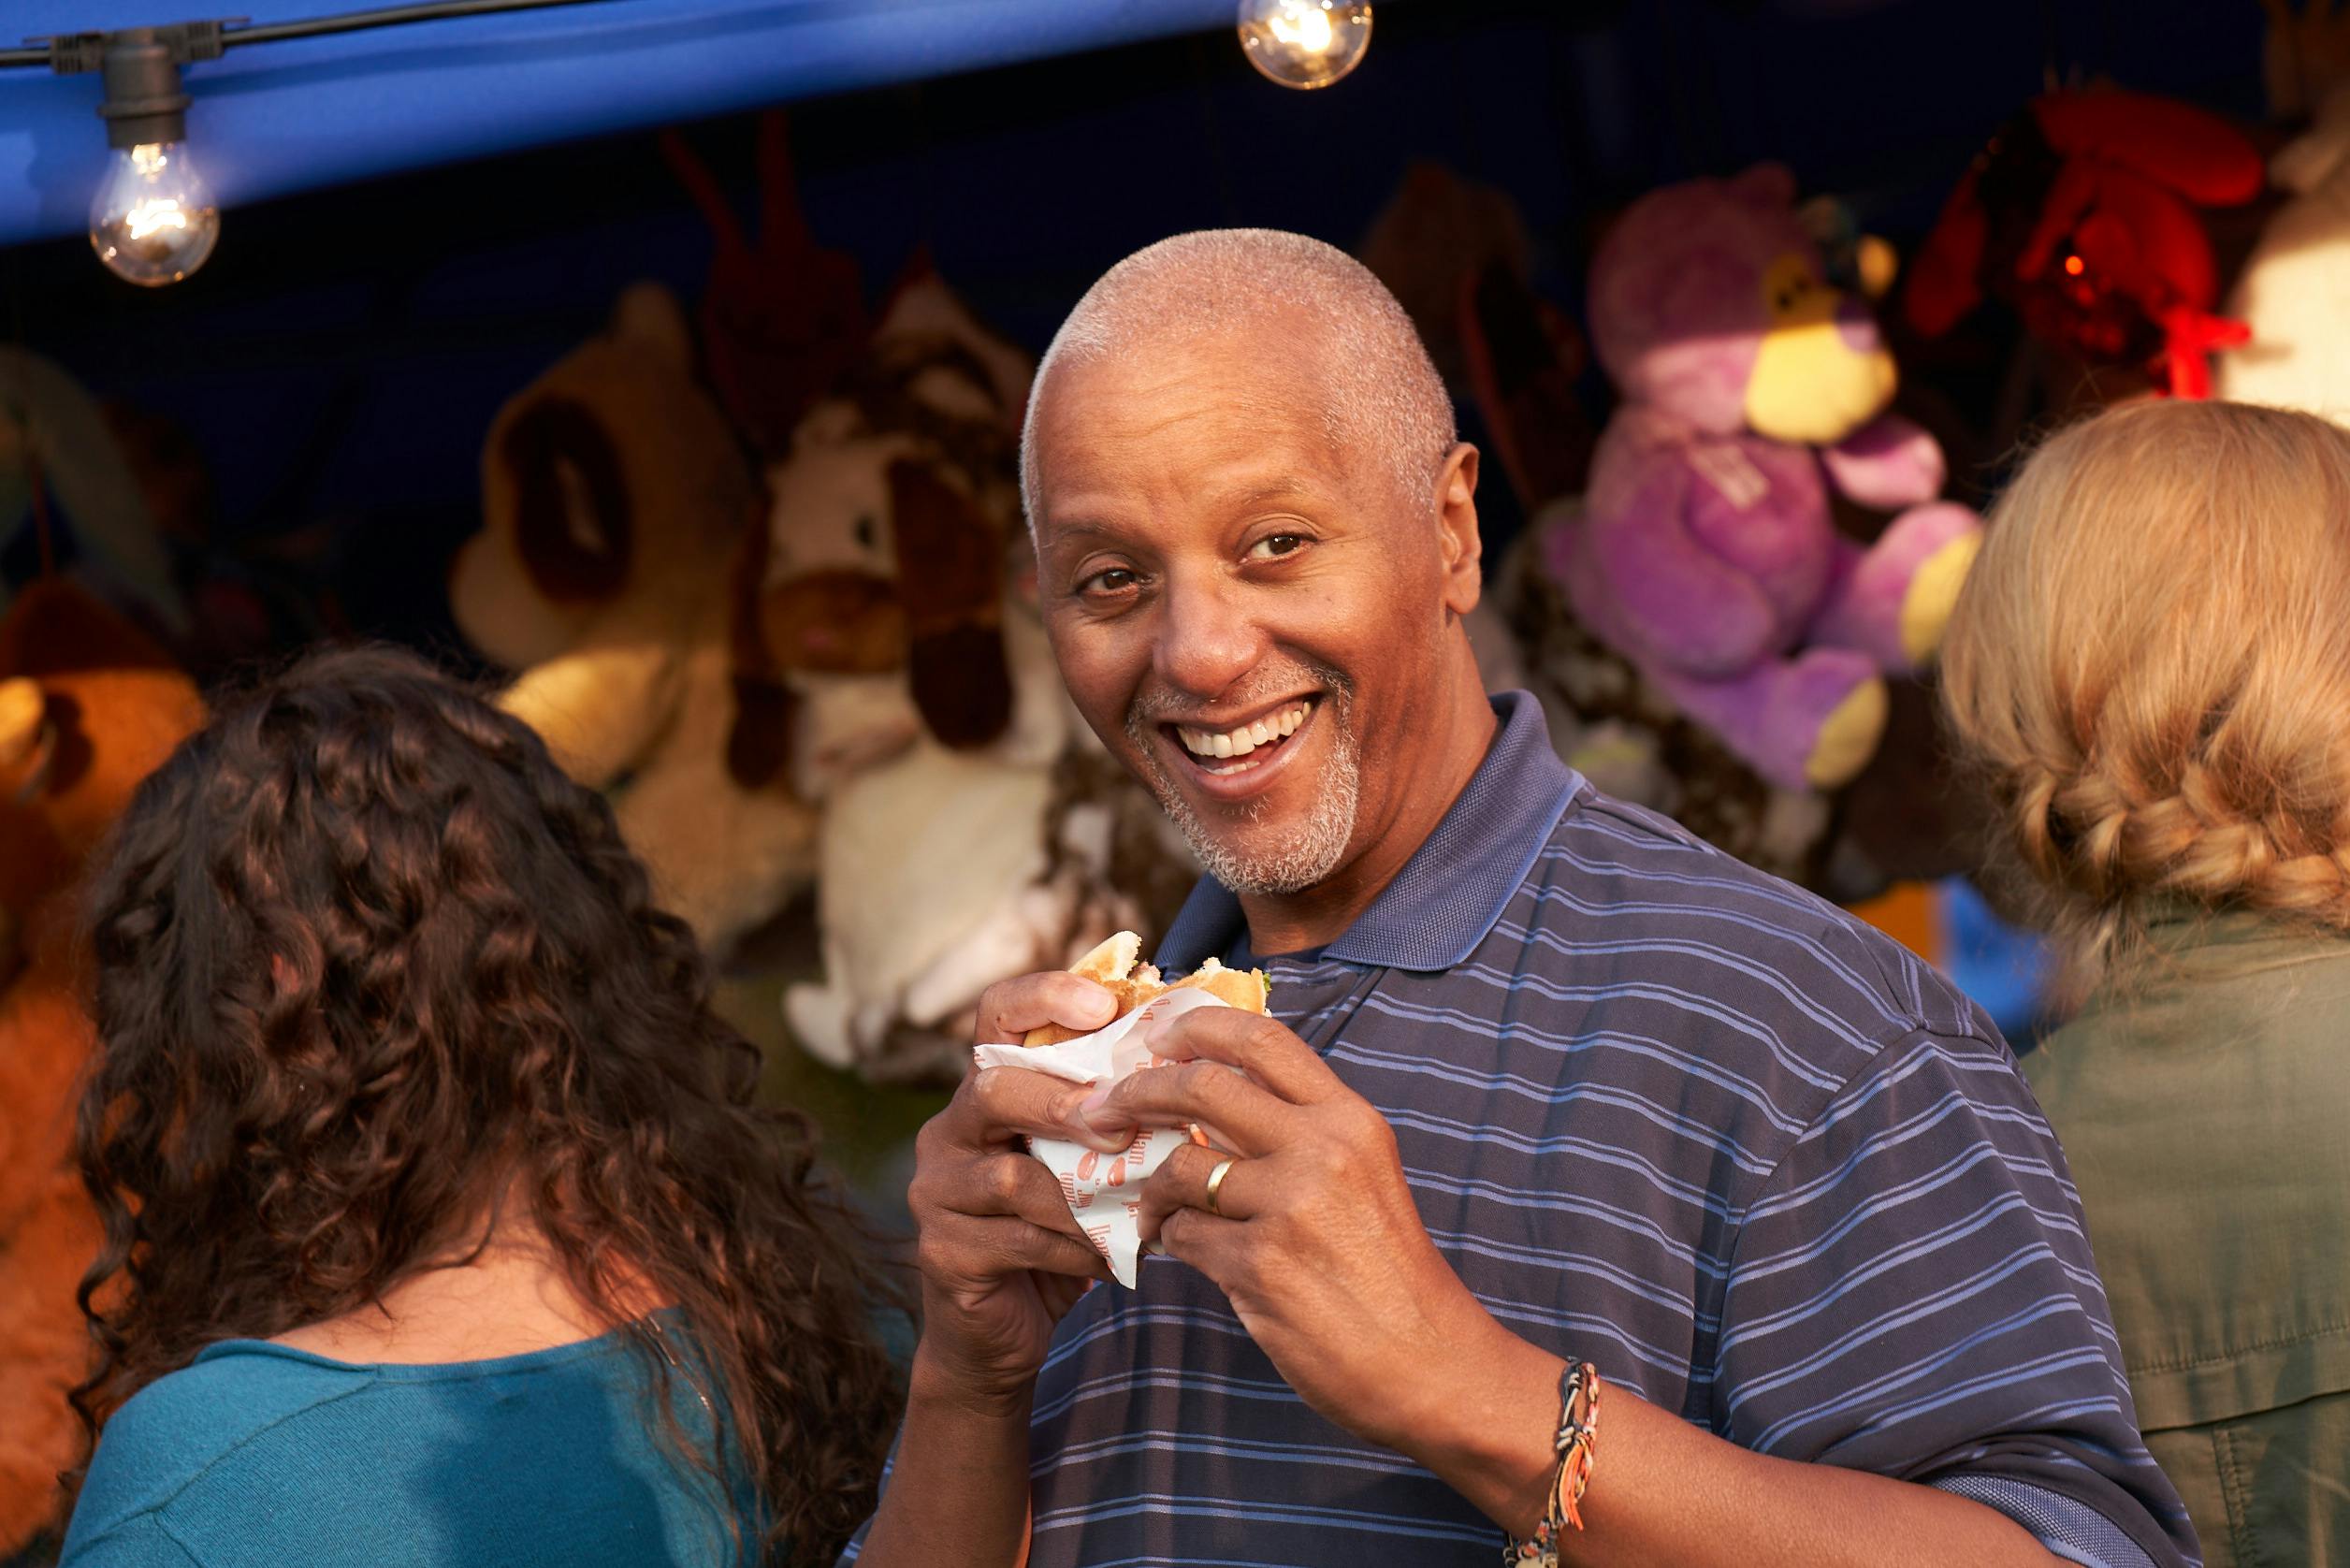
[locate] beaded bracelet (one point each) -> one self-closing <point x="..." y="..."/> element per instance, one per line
<point x="1578" y="1425"/>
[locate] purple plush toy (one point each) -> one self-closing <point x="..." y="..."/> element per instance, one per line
<point x="1704" y="550"/>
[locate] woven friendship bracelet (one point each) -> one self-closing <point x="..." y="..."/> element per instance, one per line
<point x="1578" y="1425"/>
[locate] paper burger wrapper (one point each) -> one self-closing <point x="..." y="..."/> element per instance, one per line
<point x="1105" y="1190"/>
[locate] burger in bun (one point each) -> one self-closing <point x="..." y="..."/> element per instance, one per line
<point x="1115" y="966"/>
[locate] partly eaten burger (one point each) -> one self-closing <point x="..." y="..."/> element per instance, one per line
<point x="1114" y="966"/>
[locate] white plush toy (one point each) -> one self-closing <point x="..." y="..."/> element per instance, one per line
<point x="2293" y="291"/>
<point x="959" y="843"/>
<point x="615" y="504"/>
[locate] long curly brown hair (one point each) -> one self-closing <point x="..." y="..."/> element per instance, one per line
<point x="367" y="960"/>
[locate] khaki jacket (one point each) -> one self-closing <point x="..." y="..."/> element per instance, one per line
<point x="2204" y="1107"/>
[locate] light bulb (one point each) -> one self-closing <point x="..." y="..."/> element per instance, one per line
<point x="153" y="222"/>
<point x="1304" y="43"/>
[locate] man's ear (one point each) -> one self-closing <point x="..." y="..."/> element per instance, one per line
<point x="1457" y="522"/>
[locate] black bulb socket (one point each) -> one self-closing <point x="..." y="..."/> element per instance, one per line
<point x="144" y="104"/>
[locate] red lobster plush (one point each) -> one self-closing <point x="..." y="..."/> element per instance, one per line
<point x="783" y="319"/>
<point x="2080" y="214"/>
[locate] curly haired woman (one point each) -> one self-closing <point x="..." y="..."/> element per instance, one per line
<point x="2152" y="663"/>
<point x="441" y="1228"/>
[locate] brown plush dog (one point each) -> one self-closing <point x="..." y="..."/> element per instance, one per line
<point x="891" y="664"/>
<point x="88" y="707"/>
<point x="886" y="556"/>
<point x="614" y="502"/>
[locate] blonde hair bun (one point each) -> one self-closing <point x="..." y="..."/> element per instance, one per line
<point x="2150" y="663"/>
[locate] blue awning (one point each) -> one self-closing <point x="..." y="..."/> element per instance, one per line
<point x="270" y="119"/>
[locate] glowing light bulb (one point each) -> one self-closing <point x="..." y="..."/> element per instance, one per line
<point x="1304" y="44"/>
<point x="153" y="220"/>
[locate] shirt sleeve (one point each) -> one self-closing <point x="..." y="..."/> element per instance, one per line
<point x="1911" y="1293"/>
<point x="2070" y="1529"/>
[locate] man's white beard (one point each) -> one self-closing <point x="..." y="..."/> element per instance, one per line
<point x="1309" y="853"/>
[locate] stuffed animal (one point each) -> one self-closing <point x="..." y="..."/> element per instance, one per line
<point x="782" y="318"/>
<point x="1620" y="730"/>
<point x="2290" y="292"/>
<point x="63" y="472"/>
<point x="88" y="706"/>
<point x="615" y="503"/>
<point x="254" y="590"/>
<point x="964" y="838"/>
<point x="2081" y="215"/>
<point x="1457" y="256"/>
<point x="1704" y="550"/>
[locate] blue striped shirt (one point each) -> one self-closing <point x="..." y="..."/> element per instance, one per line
<point x="1659" y="1111"/>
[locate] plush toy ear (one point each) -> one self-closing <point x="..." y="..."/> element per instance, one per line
<point x="759" y="745"/>
<point x="572" y="526"/>
<point x="649" y="316"/>
<point x="950" y="576"/>
<point x="759" y="739"/>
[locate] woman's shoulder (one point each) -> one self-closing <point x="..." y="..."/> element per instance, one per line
<point x="175" y="1433"/>
<point x="262" y="1452"/>
<point x="2201" y="999"/>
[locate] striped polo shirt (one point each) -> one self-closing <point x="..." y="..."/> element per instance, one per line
<point x="1664" y="1114"/>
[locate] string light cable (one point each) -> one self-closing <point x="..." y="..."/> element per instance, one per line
<point x="68" y="53"/>
<point x="153" y="220"/>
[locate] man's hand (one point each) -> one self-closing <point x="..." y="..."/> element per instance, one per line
<point x="1318" y="1244"/>
<point x="1002" y="1259"/>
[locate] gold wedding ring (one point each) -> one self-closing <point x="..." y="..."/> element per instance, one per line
<point x="1215" y="1184"/>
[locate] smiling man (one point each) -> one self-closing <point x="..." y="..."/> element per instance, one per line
<point x="1559" y="1106"/>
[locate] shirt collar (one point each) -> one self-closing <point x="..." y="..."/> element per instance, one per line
<point x="1448" y="895"/>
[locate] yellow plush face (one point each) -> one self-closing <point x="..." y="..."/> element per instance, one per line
<point x="1813" y="383"/>
<point x="21" y="710"/>
<point x="22" y="737"/>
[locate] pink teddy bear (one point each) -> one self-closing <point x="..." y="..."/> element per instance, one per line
<point x="1704" y="550"/>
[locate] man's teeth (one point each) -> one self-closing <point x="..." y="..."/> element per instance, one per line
<point x="1247" y="738"/>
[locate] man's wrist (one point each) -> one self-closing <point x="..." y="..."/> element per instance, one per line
<point x="958" y="1491"/>
<point x="936" y="1385"/>
<point x="1481" y="1418"/>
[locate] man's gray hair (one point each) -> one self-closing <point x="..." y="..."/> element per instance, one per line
<point x="1383" y="394"/>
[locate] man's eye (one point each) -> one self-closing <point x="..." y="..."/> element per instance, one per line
<point x="1117" y="579"/>
<point x="1275" y="545"/>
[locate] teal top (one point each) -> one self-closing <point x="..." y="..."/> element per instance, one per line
<point x="256" y="1453"/>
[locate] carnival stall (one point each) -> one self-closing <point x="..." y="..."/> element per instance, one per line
<point x="663" y="361"/>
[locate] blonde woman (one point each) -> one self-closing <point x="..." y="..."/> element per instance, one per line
<point x="2152" y="664"/>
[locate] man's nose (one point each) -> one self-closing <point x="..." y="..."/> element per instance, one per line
<point x="1207" y="639"/>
